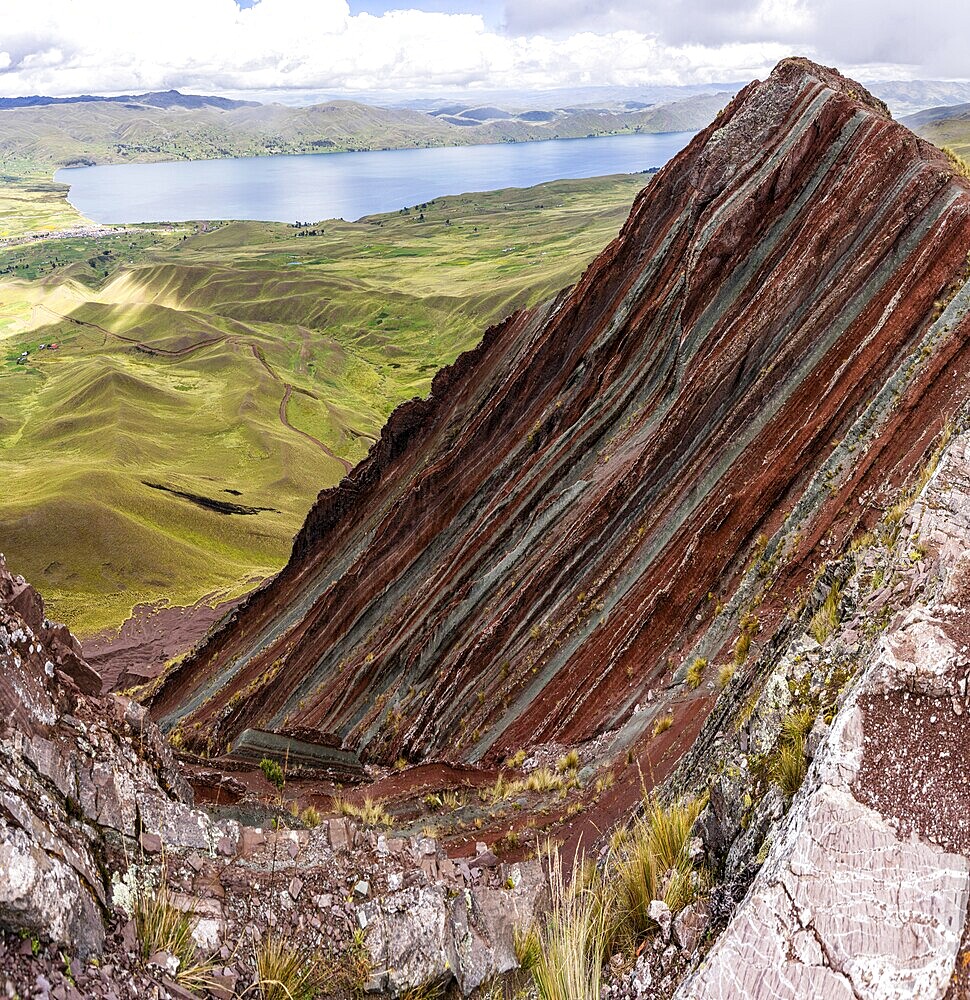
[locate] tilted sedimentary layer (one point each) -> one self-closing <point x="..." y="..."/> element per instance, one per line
<point x="537" y="550"/>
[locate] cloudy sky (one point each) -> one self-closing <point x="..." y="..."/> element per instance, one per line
<point x="63" y="47"/>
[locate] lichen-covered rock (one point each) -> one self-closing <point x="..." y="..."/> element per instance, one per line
<point x="865" y="889"/>
<point x="41" y="894"/>
<point x="430" y="934"/>
<point x="73" y="768"/>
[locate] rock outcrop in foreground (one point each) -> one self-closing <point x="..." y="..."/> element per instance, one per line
<point x="864" y="891"/>
<point x="593" y="499"/>
<point x="78" y="776"/>
<point x="95" y="814"/>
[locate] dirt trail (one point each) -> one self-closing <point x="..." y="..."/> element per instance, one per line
<point x="284" y="419"/>
<point x="288" y="391"/>
<point x="180" y="352"/>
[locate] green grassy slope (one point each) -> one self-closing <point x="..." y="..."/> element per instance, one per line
<point x="30" y="202"/>
<point x="243" y="363"/>
<point x="952" y="132"/>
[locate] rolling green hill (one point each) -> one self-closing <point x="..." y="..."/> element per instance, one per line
<point x="211" y="379"/>
<point x="944" y="127"/>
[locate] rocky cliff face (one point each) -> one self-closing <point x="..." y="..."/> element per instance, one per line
<point x="79" y="775"/>
<point x="638" y="475"/>
<point x="865" y="883"/>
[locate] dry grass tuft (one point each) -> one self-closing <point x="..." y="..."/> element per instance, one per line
<point x="162" y="926"/>
<point x="310" y="817"/>
<point x="287" y="973"/>
<point x="655" y="864"/>
<point x="370" y="813"/>
<point x="788" y="766"/>
<point x="695" y="673"/>
<point x="825" y="621"/>
<point x="565" y="954"/>
<point x="958" y="163"/>
<point x="748" y="628"/>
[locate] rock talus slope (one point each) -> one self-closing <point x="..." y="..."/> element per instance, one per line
<point x="537" y="550"/>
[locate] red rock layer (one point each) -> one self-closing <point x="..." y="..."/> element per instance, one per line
<point x="529" y="551"/>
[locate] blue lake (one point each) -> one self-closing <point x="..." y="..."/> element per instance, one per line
<point x="347" y="185"/>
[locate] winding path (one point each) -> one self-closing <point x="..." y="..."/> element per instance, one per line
<point x="284" y="419"/>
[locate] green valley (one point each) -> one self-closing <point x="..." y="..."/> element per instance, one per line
<point x="210" y="379"/>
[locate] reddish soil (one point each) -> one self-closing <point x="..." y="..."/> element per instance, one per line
<point x="153" y="635"/>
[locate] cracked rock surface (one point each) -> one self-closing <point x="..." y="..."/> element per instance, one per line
<point x="74" y="771"/>
<point x="864" y="893"/>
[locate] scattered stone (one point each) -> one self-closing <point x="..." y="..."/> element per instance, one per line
<point x="151" y="843"/>
<point x="659" y="913"/>
<point x="164" y="960"/>
<point x="690" y="924"/>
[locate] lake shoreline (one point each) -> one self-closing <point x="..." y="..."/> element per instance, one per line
<point x="288" y="187"/>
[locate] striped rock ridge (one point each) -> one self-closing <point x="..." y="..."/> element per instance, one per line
<point x="601" y="491"/>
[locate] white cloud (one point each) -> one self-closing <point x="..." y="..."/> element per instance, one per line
<point x="71" y="46"/>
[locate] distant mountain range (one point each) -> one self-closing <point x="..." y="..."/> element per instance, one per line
<point x="172" y="126"/>
<point x="906" y="97"/>
<point x="38" y="133"/>
<point x="158" y="99"/>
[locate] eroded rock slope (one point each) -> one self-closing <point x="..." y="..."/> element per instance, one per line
<point x="586" y="503"/>
<point x="864" y="891"/>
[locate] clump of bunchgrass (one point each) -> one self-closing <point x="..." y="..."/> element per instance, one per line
<point x="825" y="621"/>
<point x="544" y="780"/>
<point x="748" y="628"/>
<point x="695" y="673"/>
<point x="310" y="817"/>
<point x="161" y="926"/>
<point x="654" y="863"/>
<point x="958" y="163"/>
<point x="787" y="765"/>
<point x="285" y="972"/>
<point x="370" y="812"/>
<point x="430" y="990"/>
<point x="564" y="954"/>
<point x="798" y="723"/>
<point x="604" y="782"/>
<point x="724" y="674"/>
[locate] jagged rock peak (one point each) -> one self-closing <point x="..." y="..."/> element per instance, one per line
<point x="538" y="550"/>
